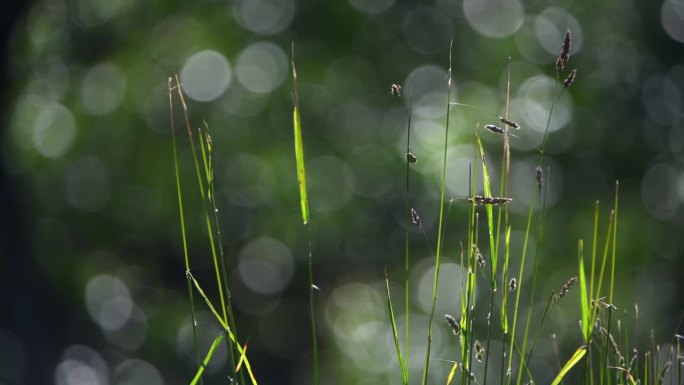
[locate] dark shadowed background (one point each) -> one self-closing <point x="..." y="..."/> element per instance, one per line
<point x="93" y="278"/>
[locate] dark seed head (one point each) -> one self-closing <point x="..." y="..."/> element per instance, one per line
<point x="455" y="327"/>
<point x="411" y="158"/>
<point x="540" y="177"/>
<point x="414" y="217"/>
<point x="564" y="55"/>
<point x="512" y="284"/>
<point x="495" y="129"/>
<point x="509" y="123"/>
<point x="396" y="89"/>
<point x="568" y="285"/>
<point x="479" y="351"/>
<point x="570" y="78"/>
<point x="480" y="200"/>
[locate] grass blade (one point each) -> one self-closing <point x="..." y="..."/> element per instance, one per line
<point x="440" y="228"/>
<point x="299" y="147"/>
<point x="207" y="358"/>
<point x="224" y="325"/>
<point x="490" y="212"/>
<point x="179" y="194"/>
<point x="584" y="296"/>
<point x="404" y="372"/>
<point x="576" y="357"/>
<point x="304" y="203"/>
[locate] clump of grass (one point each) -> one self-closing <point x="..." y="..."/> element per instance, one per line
<point x="485" y="256"/>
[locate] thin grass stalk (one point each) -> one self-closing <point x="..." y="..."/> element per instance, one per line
<point x="179" y="194"/>
<point x="535" y="269"/>
<point x="594" y="244"/>
<point x="615" y="226"/>
<point x="304" y="203"/>
<point x="607" y="346"/>
<point x="207" y="358"/>
<point x="519" y="289"/>
<point x="402" y="365"/>
<point x="609" y="236"/>
<point x="441" y="222"/>
<point x="409" y="220"/>
<point x="206" y="151"/>
<point x="537" y="332"/>
<point x="225" y="327"/>
<point x="200" y="185"/>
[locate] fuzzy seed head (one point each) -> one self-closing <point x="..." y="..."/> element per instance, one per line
<point x="395" y="90"/>
<point x="495" y="129"/>
<point x="479" y="351"/>
<point x="495" y="201"/>
<point x="512" y="284"/>
<point x="414" y="217"/>
<point x="564" y="55"/>
<point x="570" y="78"/>
<point x="540" y="177"/>
<point x="455" y="327"/>
<point x="509" y="123"/>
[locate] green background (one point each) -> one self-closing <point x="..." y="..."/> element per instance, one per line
<point x="92" y="261"/>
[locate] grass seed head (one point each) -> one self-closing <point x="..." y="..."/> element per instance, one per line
<point x="564" y="55"/>
<point x="496" y="201"/>
<point x="453" y="323"/>
<point x="570" y="78"/>
<point x="479" y="351"/>
<point x="509" y="123"/>
<point x="414" y="217"/>
<point x="411" y="158"/>
<point x="540" y="177"/>
<point x="495" y="129"/>
<point x="396" y="89"/>
<point x="512" y="284"/>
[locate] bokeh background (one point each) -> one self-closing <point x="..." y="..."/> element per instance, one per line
<point x="93" y="280"/>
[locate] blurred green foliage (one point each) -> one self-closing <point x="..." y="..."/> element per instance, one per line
<point x="98" y="272"/>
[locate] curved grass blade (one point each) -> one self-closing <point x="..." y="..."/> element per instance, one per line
<point x="207" y="358"/>
<point x="576" y="357"/>
<point x="225" y="327"/>
<point x="404" y="372"/>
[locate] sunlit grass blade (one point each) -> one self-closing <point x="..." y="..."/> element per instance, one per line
<point x="207" y="358"/>
<point x="179" y="194"/>
<point x="452" y="372"/>
<point x="304" y="203"/>
<point x="584" y="295"/>
<point x="490" y="212"/>
<point x="504" y="301"/>
<point x="203" y="195"/>
<point x="225" y="327"/>
<point x="576" y="357"/>
<point x="404" y="373"/>
<point x="299" y="147"/>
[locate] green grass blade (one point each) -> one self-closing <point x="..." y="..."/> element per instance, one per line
<point x="452" y="372"/>
<point x="584" y="296"/>
<point x="207" y="358"/>
<point x="615" y="223"/>
<point x="490" y="213"/>
<point x="179" y="194"/>
<point x="224" y="325"/>
<point x="404" y="372"/>
<point x="440" y="227"/>
<point x="304" y="203"/>
<point x="504" y="302"/>
<point x="576" y="357"/>
<point x="299" y="147"/>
